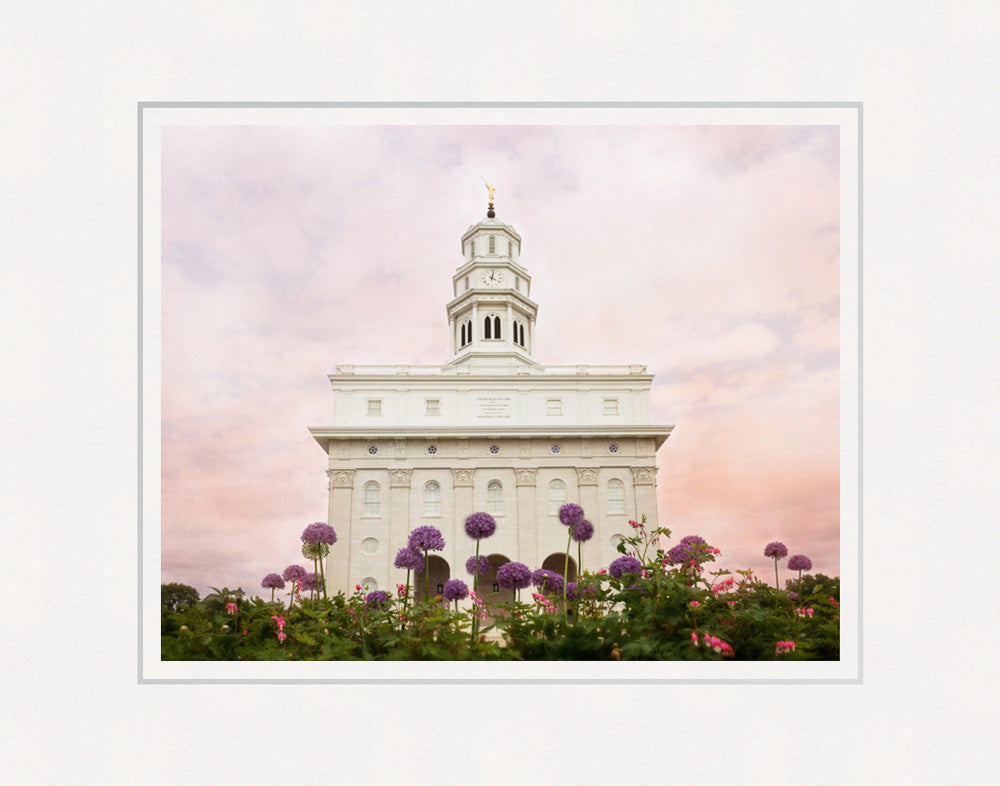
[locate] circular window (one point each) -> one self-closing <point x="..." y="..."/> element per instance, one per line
<point x="494" y="449"/>
<point x="555" y="448"/>
<point x="369" y="545"/>
<point x="612" y="448"/>
<point x="373" y="449"/>
<point x="432" y="449"/>
<point x="369" y="584"/>
<point x="615" y="540"/>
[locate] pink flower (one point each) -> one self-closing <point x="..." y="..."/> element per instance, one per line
<point x="695" y="604"/>
<point x="357" y="587"/>
<point x="282" y="636"/>
<point x="230" y="608"/>
<point x="602" y="571"/>
<point x="694" y="638"/>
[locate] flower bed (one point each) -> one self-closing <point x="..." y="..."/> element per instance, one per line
<point x="649" y="604"/>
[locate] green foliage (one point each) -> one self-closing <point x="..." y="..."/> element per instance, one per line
<point x="177" y="597"/>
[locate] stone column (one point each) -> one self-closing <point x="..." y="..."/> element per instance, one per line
<point x="338" y="562"/>
<point x="586" y="480"/>
<point x="475" y="323"/>
<point x="527" y="526"/>
<point x="508" y="340"/>
<point x="531" y="337"/>
<point x="451" y="330"/>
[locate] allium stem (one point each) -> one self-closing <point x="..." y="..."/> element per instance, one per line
<point x="569" y="544"/>
<point x="322" y="577"/>
<point x="427" y="580"/>
<point x="475" y="588"/>
<point x="776" y="573"/>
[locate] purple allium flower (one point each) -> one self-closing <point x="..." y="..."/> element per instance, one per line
<point x="570" y="513"/>
<point x="484" y="566"/>
<point x="624" y="565"/>
<point x="548" y="581"/>
<point x="792" y="595"/>
<point x="455" y="589"/>
<point x="273" y="581"/>
<point x="480" y="525"/>
<point x="582" y="531"/>
<point x="319" y="533"/>
<point x="293" y="572"/>
<point x="377" y="599"/>
<point x="514" y="576"/>
<point x="310" y="581"/>
<point x="409" y="559"/>
<point x="776" y="549"/>
<point x="573" y="590"/>
<point x="426" y="538"/>
<point x="800" y="562"/>
<point x="691" y="547"/>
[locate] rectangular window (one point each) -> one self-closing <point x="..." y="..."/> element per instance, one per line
<point x="493" y="248"/>
<point x="610" y="406"/>
<point x="433" y="406"/>
<point x="374" y="406"/>
<point x="553" y="406"/>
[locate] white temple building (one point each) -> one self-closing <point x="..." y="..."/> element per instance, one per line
<point x="491" y="430"/>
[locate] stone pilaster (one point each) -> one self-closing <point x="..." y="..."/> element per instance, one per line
<point x="527" y="525"/>
<point x="644" y="486"/>
<point x="399" y="511"/>
<point x="338" y="562"/>
<point x="462" y="484"/>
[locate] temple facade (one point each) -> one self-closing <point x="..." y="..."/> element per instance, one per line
<point x="490" y="430"/>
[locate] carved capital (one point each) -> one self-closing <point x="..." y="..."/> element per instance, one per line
<point x="462" y="478"/>
<point x="526" y="477"/>
<point x="399" y="477"/>
<point x="341" y="478"/>
<point x="643" y="476"/>
<point x="586" y="476"/>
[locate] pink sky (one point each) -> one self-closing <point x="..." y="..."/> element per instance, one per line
<point x="710" y="254"/>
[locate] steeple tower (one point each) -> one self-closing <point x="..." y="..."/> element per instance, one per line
<point x="491" y="317"/>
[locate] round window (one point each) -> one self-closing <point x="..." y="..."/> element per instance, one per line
<point x="612" y="448"/>
<point x="373" y="449"/>
<point x="494" y="449"/>
<point x="555" y="448"/>
<point x="432" y="449"/>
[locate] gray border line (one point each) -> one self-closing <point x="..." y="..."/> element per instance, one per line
<point x="856" y="105"/>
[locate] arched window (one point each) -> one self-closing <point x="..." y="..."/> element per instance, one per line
<point x="514" y="328"/>
<point x="616" y="497"/>
<point x="496" y="327"/>
<point x="493" y="244"/>
<point x="468" y="332"/>
<point x="522" y="335"/>
<point x="557" y="496"/>
<point x="462" y="343"/>
<point x="372" y="499"/>
<point x="494" y="498"/>
<point x="432" y="498"/>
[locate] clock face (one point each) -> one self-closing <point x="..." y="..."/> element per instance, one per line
<point x="492" y="278"/>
